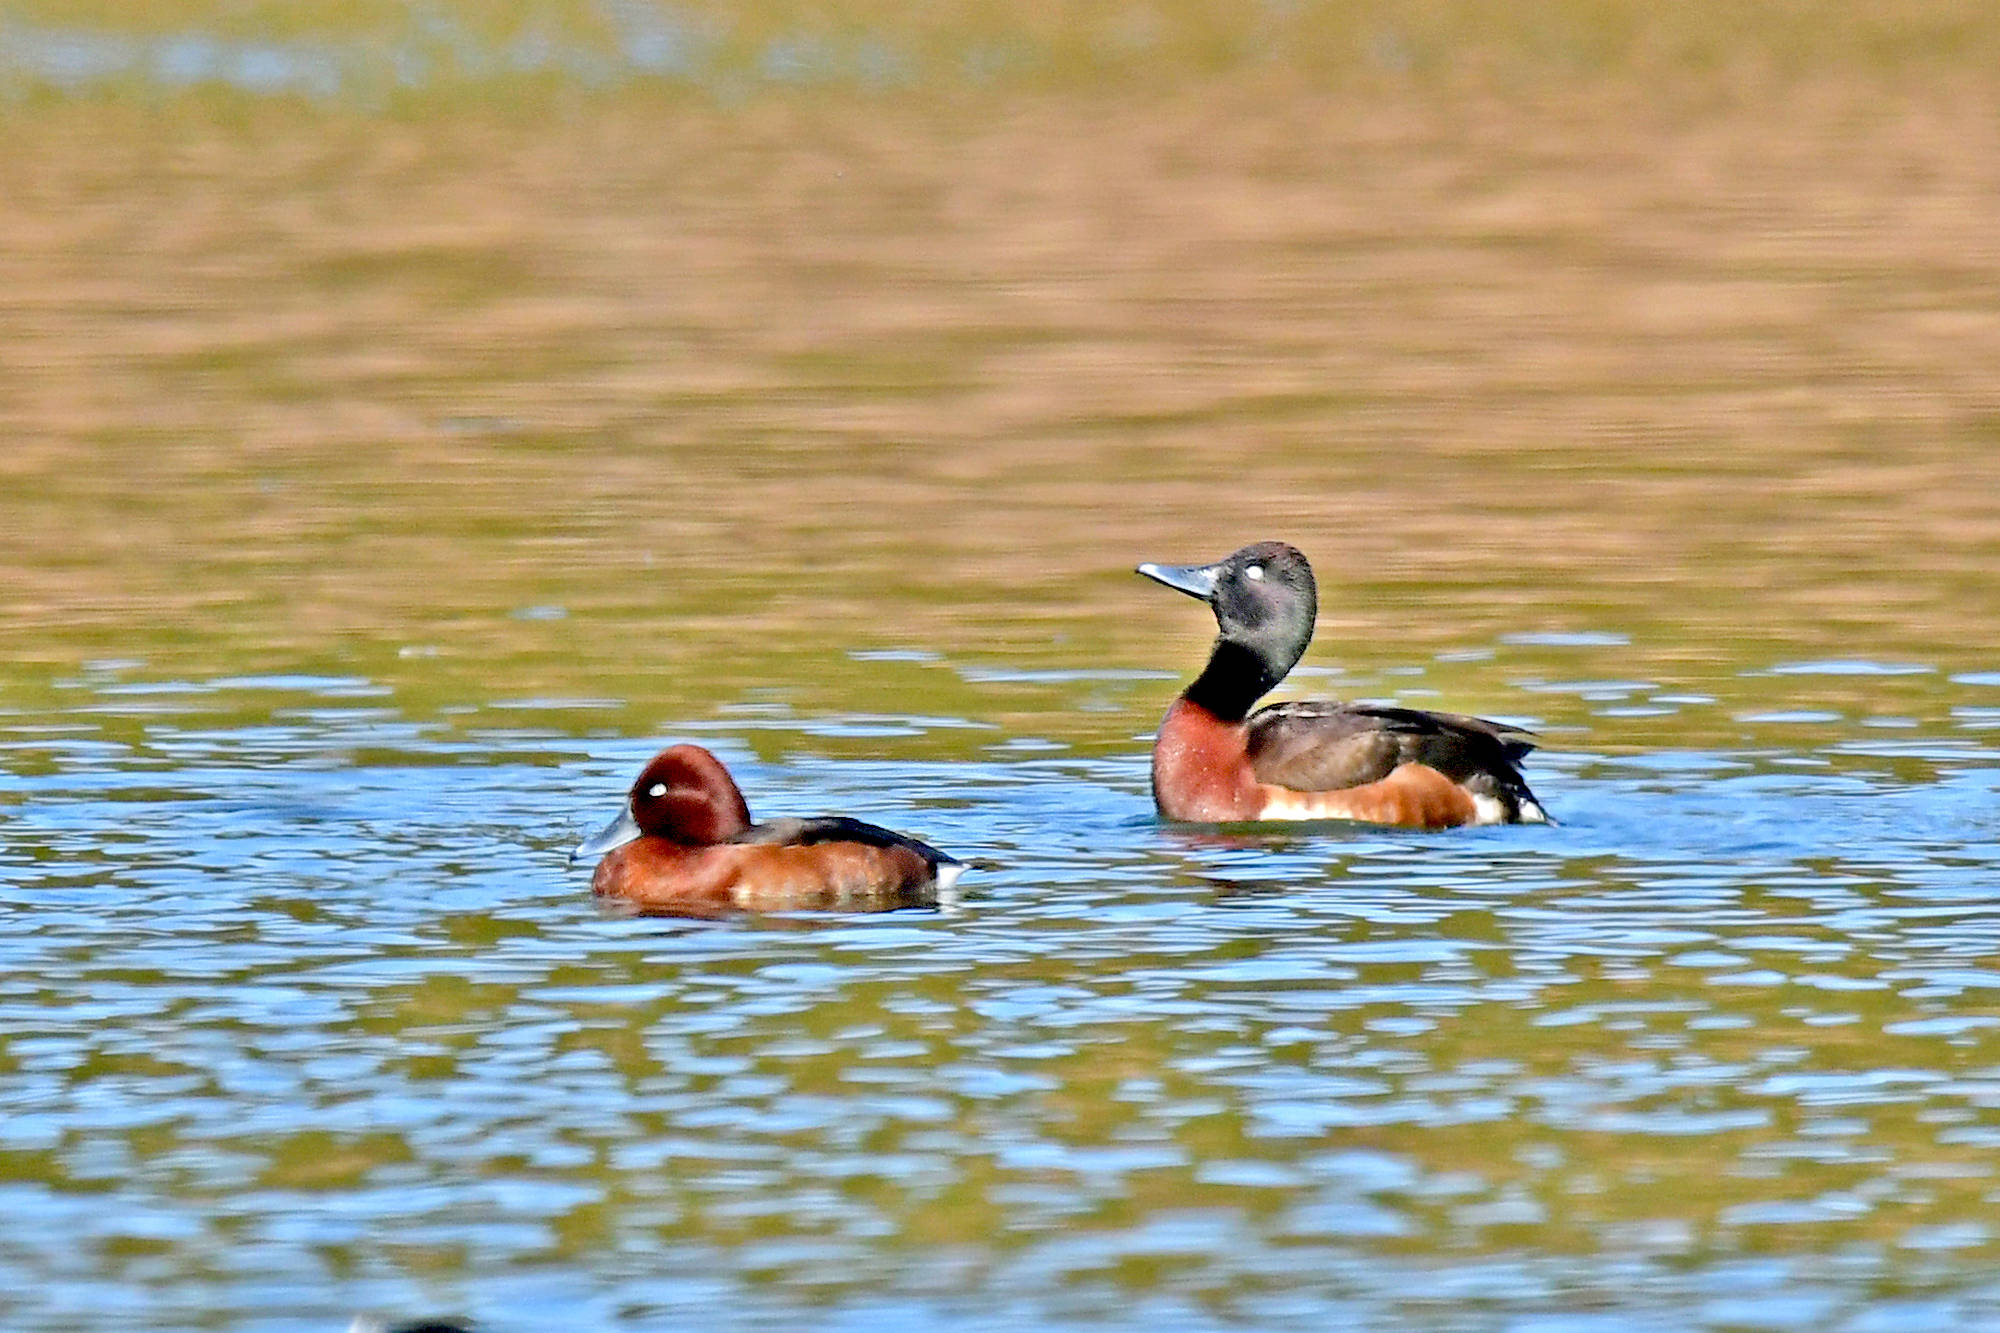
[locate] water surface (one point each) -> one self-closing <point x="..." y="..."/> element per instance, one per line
<point x="394" y="462"/>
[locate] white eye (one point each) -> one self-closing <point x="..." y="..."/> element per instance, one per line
<point x="1254" y="572"/>
<point x="657" y="789"/>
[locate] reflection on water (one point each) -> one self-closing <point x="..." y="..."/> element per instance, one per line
<point x="381" y="489"/>
<point x="315" y="997"/>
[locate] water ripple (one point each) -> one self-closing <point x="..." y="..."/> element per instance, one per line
<point x="271" y="1011"/>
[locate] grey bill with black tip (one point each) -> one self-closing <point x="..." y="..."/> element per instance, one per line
<point x="617" y="833"/>
<point x="1194" y="580"/>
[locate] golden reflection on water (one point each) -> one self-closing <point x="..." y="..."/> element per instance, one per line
<point x="729" y="386"/>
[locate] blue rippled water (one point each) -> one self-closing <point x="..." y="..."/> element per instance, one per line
<point x="291" y="1035"/>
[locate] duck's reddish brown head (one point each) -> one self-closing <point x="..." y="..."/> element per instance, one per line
<point x="684" y="795"/>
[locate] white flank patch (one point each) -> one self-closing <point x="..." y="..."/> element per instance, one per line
<point x="1295" y="805"/>
<point x="1533" y="814"/>
<point x="1491" y="810"/>
<point x="947" y="875"/>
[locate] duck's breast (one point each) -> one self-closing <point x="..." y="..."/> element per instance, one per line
<point x="1201" y="769"/>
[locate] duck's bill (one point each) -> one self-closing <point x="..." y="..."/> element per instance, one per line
<point x="615" y="834"/>
<point x="1194" y="580"/>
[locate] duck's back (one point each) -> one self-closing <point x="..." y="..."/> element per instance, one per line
<point x="888" y="857"/>
<point x="1323" y="746"/>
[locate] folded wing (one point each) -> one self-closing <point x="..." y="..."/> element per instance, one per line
<point x="1320" y="745"/>
<point x="836" y="828"/>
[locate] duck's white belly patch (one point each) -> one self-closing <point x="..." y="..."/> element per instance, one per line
<point x="1329" y="805"/>
<point x="1287" y="804"/>
<point x="1413" y="796"/>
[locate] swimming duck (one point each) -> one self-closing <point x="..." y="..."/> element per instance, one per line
<point x="684" y="845"/>
<point x="1215" y="761"/>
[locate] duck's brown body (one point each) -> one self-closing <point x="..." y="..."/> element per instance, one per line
<point x="1202" y="773"/>
<point x="684" y="845"/>
<point x="1215" y="761"/>
<point x="656" y="874"/>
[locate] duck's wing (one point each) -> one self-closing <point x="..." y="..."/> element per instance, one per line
<point x="1320" y="745"/>
<point x="836" y="828"/>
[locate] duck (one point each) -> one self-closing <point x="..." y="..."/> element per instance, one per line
<point x="683" y="845"/>
<point x="1215" y="761"/>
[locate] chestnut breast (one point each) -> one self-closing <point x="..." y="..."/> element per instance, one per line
<point x="1201" y="767"/>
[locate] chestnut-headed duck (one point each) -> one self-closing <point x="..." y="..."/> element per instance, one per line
<point x="1217" y="762"/>
<point x="684" y="846"/>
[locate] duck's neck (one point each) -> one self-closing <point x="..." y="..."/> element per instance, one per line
<point x="1235" y="678"/>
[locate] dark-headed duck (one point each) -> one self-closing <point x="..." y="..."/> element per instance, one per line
<point x="1217" y="762"/>
<point x="684" y="845"/>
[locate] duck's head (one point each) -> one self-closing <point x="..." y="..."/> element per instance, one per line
<point x="1265" y="603"/>
<point x="684" y="795"/>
